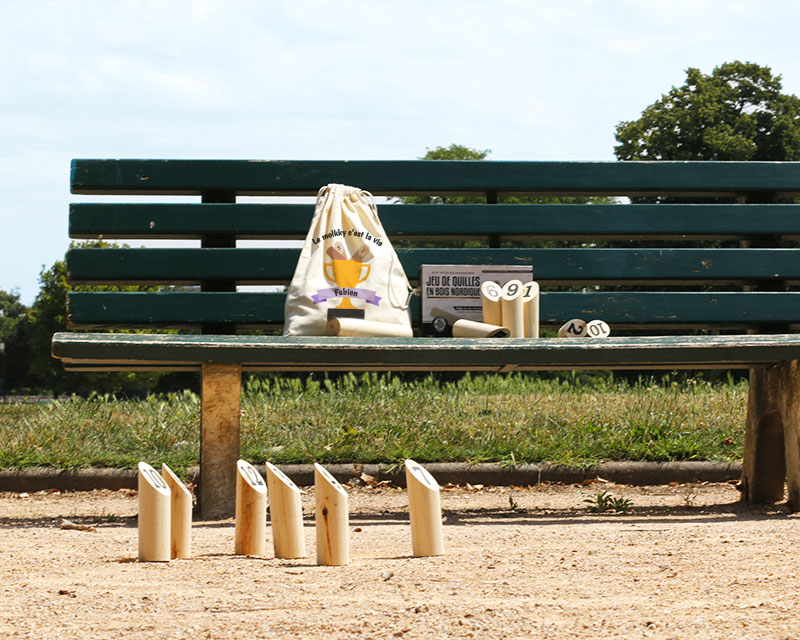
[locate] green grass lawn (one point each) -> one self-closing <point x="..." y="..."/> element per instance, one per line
<point x="380" y="418"/>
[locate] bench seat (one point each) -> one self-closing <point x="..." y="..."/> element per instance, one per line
<point x="102" y="351"/>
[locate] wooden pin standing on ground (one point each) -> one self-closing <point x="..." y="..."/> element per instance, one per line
<point x="154" y="519"/>
<point x="332" y="519"/>
<point x="425" y="511"/>
<point x="251" y="511"/>
<point x="490" y="303"/>
<point x="285" y="514"/>
<point x="530" y="304"/>
<point x="511" y="308"/>
<point x="180" y="515"/>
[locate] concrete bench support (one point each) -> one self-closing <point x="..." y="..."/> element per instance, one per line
<point x="219" y="439"/>
<point x="772" y="438"/>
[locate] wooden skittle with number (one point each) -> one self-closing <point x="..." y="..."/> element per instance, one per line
<point x="512" y="309"/>
<point x="363" y="254"/>
<point x="490" y="303"/>
<point x="285" y="514"/>
<point x="251" y="511"/>
<point x="597" y="329"/>
<point x="154" y="516"/>
<point x="425" y="511"/>
<point x="575" y="328"/>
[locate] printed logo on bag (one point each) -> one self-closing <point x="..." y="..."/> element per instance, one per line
<point x="345" y="271"/>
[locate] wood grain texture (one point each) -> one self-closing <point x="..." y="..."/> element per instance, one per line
<point x="424" y="510"/>
<point x="291" y="221"/>
<point x="553" y="266"/>
<point x="389" y="177"/>
<point x="772" y="437"/>
<point x="332" y="519"/>
<point x="180" y="514"/>
<point x="251" y="511"/>
<point x="219" y="438"/>
<point x="453" y="354"/>
<point x="285" y="514"/>
<point x="732" y="309"/>
<point x="154" y="516"/>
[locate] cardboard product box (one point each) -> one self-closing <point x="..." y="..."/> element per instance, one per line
<point x="453" y="291"/>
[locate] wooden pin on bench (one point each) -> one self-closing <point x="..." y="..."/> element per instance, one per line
<point x="285" y="514"/>
<point x="575" y="328"/>
<point x="512" y="308"/>
<point x="154" y="516"/>
<point x="251" y="511"/>
<point x="530" y="305"/>
<point x="491" y="292"/>
<point x="597" y="329"/>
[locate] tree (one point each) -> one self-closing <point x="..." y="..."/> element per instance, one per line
<point x="14" y="349"/>
<point x="736" y="113"/>
<point x="48" y="315"/>
<point x="461" y="152"/>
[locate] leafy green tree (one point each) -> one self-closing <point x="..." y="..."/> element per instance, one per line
<point x="48" y="315"/>
<point x="461" y="152"/>
<point x="14" y="349"/>
<point x="736" y="113"/>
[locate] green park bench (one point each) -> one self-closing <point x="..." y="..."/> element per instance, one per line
<point x="669" y="306"/>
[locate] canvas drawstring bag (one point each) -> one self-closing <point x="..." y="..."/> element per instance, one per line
<point x="347" y="268"/>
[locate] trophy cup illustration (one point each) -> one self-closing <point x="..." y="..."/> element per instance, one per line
<point x="346" y="274"/>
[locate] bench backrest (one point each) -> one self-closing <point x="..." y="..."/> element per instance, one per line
<point x="650" y="281"/>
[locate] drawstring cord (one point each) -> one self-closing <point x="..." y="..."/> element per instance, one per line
<point x="370" y="199"/>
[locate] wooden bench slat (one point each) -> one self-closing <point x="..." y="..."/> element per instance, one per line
<point x="634" y="308"/>
<point x="430" y="353"/>
<point x="291" y="221"/>
<point x="277" y="265"/>
<point x="249" y="177"/>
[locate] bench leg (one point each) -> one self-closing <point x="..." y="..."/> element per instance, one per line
<point x="219" y="439"/>
<point x="764" y="467"/>
<point x="789" y="399"/>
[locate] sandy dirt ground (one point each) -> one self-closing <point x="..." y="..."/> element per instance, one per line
<point x="686" y="561"/>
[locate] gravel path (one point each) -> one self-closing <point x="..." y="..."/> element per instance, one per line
<point x="686" y="561"/>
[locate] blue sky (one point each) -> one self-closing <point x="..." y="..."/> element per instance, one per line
<point x="295" y="79"/>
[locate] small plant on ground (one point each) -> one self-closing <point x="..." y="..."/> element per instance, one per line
<point x="605" y="502"/>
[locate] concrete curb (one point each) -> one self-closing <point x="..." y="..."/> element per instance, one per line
<point x="634" y="473"/>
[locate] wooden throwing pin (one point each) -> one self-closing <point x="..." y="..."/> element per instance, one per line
<point x="251" y="511"/>
<point x="424" y="510"/>
<point x="512" y="309"/>
<point x="180" y="515"/>
<point x="575" y="328"/>
<point x="490" y="303"/>
<point x="530" y="304"/>
<point x="470" y="329"/>
<point x="597" y="329"/>
<point x="154" y="517"/>
<point x="332" y="519"/>
<point x="285" y="514"/>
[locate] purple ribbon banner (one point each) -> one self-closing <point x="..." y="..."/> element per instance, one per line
<point x="371" y="297"/>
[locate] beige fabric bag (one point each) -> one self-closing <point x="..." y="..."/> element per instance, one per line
<point x="347" y="269"/>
